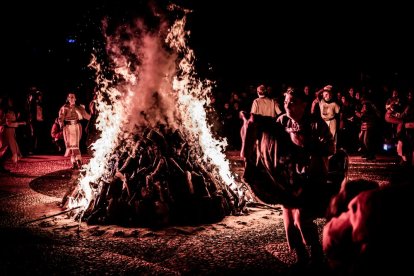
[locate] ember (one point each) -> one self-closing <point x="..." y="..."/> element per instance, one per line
<point x="156" y="161"/>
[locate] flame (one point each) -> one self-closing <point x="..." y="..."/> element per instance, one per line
<point x="149" y="88"/>
<point x="191" y="101"/>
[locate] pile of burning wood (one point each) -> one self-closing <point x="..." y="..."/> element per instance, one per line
<point x="158" y="180"/>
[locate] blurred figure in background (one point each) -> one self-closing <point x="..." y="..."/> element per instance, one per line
<point x="57" y="136"/>
<point x="92" y="133"/>
<point x="368" y="136"/>
<point x="3" y="143"/>
<point x="12" y="123"/>
<point x="263" y="105"/>
<point x="35" y="120"/>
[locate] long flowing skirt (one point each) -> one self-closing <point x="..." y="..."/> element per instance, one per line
<point x="72" y="135"/>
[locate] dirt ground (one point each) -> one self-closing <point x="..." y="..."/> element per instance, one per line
<point x="38" y="239"/>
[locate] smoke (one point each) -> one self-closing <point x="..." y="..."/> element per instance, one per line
<point x="144" y="69"/>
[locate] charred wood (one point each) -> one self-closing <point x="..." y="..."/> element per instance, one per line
<point x="154" y="183"/>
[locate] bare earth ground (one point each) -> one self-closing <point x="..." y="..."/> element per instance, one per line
<point x="36" y="244"/>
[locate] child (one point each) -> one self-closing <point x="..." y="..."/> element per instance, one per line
<point x="57" y="136"/>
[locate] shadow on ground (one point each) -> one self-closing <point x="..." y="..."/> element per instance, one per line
<point x="54" y="184"/>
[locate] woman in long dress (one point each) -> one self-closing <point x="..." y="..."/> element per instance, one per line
<point x="70" y="115"/>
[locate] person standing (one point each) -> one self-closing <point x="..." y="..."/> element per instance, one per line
<point x="264" y="105"/>
<point x="35" y="120"/>
<point x="329" y="109"/>
<point x="70" y="115"/>
<point x="368" y="135"/>
<point x="307" y="166"/>
<point x="12" y="123"/>
<point x="291" y="168"/>
<point x="3" y="143"/>
<point x="92" y="133"/>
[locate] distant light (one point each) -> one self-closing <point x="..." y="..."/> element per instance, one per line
<point x="71" y="40"/>
<point x="388" y="147"/>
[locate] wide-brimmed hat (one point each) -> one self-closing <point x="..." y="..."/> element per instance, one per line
<point x="327" y="88"/>
<point x="299" y="94"/>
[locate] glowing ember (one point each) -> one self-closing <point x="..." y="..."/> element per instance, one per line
<point x="149" y="91"/>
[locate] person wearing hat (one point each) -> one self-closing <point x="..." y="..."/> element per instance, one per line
<point x="329" y="109"/>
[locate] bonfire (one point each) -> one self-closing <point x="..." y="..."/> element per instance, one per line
<point x="156" y="160"/>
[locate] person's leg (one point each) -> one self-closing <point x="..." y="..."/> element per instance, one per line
<point x="73" y="161"/>
<point x="72" y="137"/>
<point x="78" y="150"/>
<point x="3" y="149"/>
<point x="309" y="234"/>
<point x="293" y="236"/>
<point x="66" y="138"/>
<point x="370" y="143"/>
<point x="2" y="168"/>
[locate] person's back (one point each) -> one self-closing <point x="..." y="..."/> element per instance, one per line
<point x="265" y="106"/>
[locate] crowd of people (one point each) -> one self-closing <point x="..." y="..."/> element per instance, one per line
<point x="362" y="121"/>
<point x="287" y="161"/>
<point x="286" y="141"/>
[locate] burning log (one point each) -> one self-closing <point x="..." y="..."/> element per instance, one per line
<point x="158" y="184"/>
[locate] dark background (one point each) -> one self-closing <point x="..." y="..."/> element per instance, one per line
<point x="236" y="43"/>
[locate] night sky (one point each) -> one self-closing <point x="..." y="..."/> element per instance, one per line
<point x="249" y="42"/>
